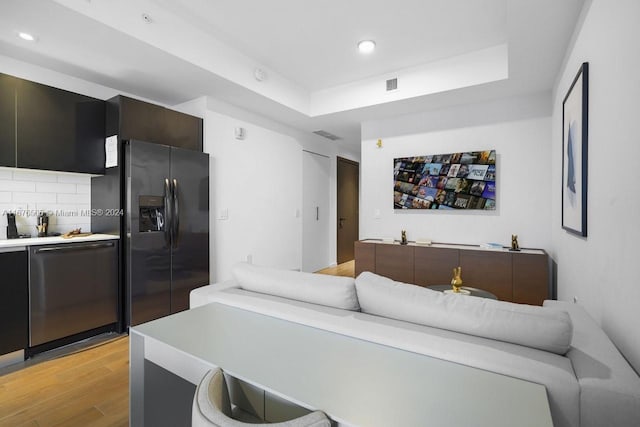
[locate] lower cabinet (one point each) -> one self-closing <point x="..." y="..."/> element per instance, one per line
<point x="396" y="262"/>
<point x="490" y="271"/>
<point x="433" y="266"/>
<point x="14" y="301"/>
<point x="74" y="290"/>
<point x="521" y="277"/>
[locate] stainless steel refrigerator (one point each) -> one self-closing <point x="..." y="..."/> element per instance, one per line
<point x="166" y="191"/>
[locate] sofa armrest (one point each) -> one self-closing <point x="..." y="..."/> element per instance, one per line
<point x="199" y="296"/>
<point x="609" y="387"/>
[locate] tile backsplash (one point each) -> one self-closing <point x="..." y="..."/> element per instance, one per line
<point x="65" y="197"/>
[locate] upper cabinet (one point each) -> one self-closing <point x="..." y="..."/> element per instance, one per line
<point x="43" y="127"/>
<point x="59" y="130"/>
<point x="133" y="119"/>
<point x="183" y="130"/>
<point x="8" y="86"/>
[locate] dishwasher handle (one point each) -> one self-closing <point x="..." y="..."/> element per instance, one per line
<point x="74" y="247"/>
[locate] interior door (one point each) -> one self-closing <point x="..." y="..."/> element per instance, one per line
<point x="316" y="172"/>
<point x="190" y="242"/>
<point x="348" y="208"/>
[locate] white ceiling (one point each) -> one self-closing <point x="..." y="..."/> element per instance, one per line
<point x="197" y="48"/>
<point x="314" y="43"/>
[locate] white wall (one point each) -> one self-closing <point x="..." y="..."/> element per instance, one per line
<point x="258" y="181"/>
<point x="601" y="270"/>
<point x="519" y="131"/>
<point x="65" y="197"/>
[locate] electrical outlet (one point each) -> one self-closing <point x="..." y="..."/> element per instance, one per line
<point x="249" y="259"/>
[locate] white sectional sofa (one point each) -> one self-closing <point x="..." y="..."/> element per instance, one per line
<point x="588" y="382"/>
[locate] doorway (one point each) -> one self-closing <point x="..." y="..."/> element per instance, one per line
<point x="348" y="198"/>
<point x="316" y="176"/>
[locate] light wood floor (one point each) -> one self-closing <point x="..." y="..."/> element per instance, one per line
<point x="345" y="269"/>
<point x="89" y="388"/>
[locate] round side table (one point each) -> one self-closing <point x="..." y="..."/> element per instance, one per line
<point x="475" y="292"/>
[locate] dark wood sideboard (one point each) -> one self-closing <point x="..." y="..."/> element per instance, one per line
<point x="522" y="277"/>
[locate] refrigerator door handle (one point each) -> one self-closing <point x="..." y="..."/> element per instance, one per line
<point x="176" y="214"/>
<point x="168" y="218"/>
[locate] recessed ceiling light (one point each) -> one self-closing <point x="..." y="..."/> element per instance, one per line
<point x="26" y="36"/>
<point x="366" y="46"/>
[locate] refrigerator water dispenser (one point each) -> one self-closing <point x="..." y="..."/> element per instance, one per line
<point x="152" y="215"/>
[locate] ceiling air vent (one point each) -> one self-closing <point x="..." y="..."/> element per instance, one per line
<point x="325" y="134"/>
<point x="392" y="84"/>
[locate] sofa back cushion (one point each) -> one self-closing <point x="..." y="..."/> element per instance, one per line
<point x="332" y="291"/>
<point x="531" y="326"/>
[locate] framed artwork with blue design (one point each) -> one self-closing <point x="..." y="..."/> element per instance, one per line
<point x="575" y="127"/>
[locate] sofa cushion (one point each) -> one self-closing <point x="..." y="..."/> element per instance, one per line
<point x="332" y="291"/>
<point x="532" y="326"/>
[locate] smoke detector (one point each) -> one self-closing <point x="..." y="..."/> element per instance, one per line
<point x="260" y="74"/>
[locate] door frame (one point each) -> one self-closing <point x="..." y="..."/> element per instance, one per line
<point x="357" y="191"/>
<point x="305" y="236"/>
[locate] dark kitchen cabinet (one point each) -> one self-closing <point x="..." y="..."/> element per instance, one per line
<point x="183" y="130"/>
<point x="7" y="120"/>
<point x="73" y="290"/>
<point x="59" y="130"/>
<point x="141" y="120"/>
<point x="132" y="119"/>
<point x="14" y="301"/>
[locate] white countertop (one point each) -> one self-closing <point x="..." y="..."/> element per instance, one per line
<point x="35" y="241"/>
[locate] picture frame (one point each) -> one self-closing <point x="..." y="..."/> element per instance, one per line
<point x="452" y="181"/>
<point x="575" y="129"/>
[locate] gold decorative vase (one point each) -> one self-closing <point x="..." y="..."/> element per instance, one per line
<point x="456" y="282"/>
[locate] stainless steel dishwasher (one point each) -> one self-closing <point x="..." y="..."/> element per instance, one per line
<point x="73" y="288"/>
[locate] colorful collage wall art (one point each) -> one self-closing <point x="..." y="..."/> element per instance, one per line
<point x="446" y="181"/>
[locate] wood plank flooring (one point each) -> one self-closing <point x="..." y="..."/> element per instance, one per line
<point x="345" y="269"/>
<point x="89" y="388"/>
